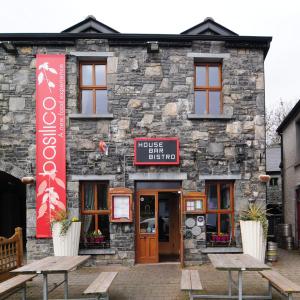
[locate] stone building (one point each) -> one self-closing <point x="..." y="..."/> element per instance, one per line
<point x="204" y="88"/>
<point x="289" y="130"/>
<point x="274" y="188"/>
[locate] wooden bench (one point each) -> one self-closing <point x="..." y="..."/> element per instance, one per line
<point x="13" y="285"/>
<point x="11" y="254"/>
<point x="190" y="281"/>
<point x="282" y="284"/>
<point x="100" y="285"/>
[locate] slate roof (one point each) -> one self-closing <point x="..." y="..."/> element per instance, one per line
<point x="90" y="25"/>
<point x="209" y="27"/>
<point x="273" y="157"/>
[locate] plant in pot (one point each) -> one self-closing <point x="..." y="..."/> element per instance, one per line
<point x="254" y="230"/>
<point x="65" y="234"/>
<point x="98" y="237"/>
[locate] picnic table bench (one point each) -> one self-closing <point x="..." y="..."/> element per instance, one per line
<point x="100" y="285"/>
<point x="282" y="284"/>
<point x="13" y="285"/>
<point x="190" y="281"/>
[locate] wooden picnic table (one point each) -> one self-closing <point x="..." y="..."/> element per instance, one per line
<point x="239" y="263"/>
<point x="53" y="265"/>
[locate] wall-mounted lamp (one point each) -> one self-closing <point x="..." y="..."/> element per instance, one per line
<point x="27" y="180"/>
<point x="240" y="152"/>
<point x="152" y="47"/>
<point x="9" y="47"/>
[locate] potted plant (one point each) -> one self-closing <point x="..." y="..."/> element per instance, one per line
<point x="254" y="230"/>
<point x="98" y="237"/>
<point x="65" y="234"/>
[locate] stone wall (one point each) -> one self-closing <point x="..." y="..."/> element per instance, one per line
<point x="150" y="95"/>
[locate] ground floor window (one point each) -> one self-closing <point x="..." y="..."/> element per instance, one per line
<point x="220" y="212"/>
<point x="94" y="215"/>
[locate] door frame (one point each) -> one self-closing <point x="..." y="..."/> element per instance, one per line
<point x="181" y="218"/>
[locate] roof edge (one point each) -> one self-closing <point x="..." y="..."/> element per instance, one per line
<point x="295" y="110"/>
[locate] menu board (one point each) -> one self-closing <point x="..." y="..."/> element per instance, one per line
<point x="121" y="206"/>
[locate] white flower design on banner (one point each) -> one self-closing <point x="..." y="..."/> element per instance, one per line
<point x="50" y="197"/>
<point x="44" y="69"/>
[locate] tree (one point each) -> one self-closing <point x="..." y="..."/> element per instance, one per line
<point x="274" y="117"/>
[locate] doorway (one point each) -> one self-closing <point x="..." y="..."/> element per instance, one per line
<point x="12" y="206"/>
<point x="158" y="237"/>
<point x="168" y="226"/>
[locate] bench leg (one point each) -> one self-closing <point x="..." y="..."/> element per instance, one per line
<point x="24" y="292"/>
<point x="66" y="286"/>
<point x="240" y="284"/>
<point x="290" y="296"/>
<point x="45" y="286"/>
<point x="270" y="290"/>
<point x="229" y="283"/>
<point x="103" y="297"/>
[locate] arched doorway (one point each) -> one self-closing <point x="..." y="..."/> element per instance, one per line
<point x="12" y="205"/>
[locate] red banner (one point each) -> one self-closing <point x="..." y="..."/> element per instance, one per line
<point x="50" y="140"/>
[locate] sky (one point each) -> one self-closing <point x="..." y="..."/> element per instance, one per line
<point x="276" y="18"/>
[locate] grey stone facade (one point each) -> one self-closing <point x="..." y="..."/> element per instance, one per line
<point x="150" y="95"/>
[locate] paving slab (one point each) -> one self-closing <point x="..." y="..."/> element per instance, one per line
<point x="162" y="281"/>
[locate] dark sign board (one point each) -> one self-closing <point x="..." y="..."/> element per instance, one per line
<point x="156" y="151"/>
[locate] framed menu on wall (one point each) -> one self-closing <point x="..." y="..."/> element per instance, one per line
<point x="194" y="203"/>
<point x="120" y="205"/>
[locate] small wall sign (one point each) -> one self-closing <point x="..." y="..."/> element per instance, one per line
<point x="120" y="203"/>
<point x="156" y="151"/>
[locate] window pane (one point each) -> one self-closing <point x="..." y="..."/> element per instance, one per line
<point x="100" y="74"/>
<point x="212" y="223"/>
<point x="200" y="102"/>
<point x="225" y="196"/>
<point x="212" y="197"/>
<point x="214" y="103"/>
<point x="213" y="76"/>
<point x="225" y="223"/>
<point x="200" y="76"/>
<point x="88" y="225"/>
<point x="101" y="102"/>
<point x="87" y="75"/>
<point x="87" y="102"/>
<point x="103" y="221"/>
<point x="147" y="214"/>
<point x="102" y="196"/>
<point x="88" y="196"/>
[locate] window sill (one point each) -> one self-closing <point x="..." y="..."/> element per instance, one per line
<point x="209" y="117"/>
<point x="222" y="250"/>
<point x="97" y="251"/>
<point x="91" y="116"/>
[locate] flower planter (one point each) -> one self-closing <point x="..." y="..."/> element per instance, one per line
<point x="68" y="244"/>
<point x="254" y="242"/>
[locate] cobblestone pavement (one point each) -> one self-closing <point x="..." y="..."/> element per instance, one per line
<point x="162" y="281"/>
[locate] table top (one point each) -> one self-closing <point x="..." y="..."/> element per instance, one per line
<point x="52" y="264"/>
<point x="237" y="262"/>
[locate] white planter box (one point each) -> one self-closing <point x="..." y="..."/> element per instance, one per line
<point x="68" y="244"/>
<point x="254" y="242"/>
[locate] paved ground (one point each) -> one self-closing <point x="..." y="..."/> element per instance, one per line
<point x="162" y="281"/>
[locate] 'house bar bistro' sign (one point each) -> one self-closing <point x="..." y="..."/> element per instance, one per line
<point x="156" y="151"/>
<point x="50" y="140"/>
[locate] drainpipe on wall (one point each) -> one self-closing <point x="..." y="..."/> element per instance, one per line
<point x="282" y="177"/>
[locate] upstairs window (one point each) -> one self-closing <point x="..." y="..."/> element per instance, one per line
<point x="93" y="89"/>
<point x="208" y="88"/>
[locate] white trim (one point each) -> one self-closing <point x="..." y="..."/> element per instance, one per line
<point x="209" y="56"/>
<point x="158" y="176"/>
<point x="221" y="177"/>
<point x="84" y="56"/>
<point x="92" y="177"/>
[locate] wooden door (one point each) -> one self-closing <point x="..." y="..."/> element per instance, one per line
<point x="181" y="224"/>
<point x="298" y="204"/>
<point x="147" y="227"/>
